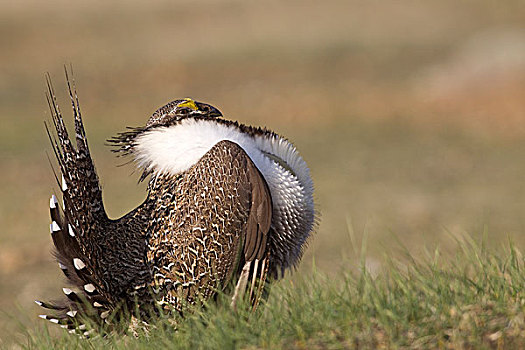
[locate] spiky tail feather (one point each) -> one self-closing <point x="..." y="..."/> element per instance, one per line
<point x="74" y="228"/>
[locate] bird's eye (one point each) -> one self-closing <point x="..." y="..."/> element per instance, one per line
<point x="185" y="110"/>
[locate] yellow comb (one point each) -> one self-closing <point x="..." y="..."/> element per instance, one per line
<point x="188" y="102"/>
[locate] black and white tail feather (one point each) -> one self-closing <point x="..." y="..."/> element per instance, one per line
<point x="76" y="226"/>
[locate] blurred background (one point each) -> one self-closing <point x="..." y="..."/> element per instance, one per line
<point x="411" y="114"/>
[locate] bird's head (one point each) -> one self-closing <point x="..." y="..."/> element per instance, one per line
<point x="177" y="110"/>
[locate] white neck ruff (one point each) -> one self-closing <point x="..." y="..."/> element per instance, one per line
<point x="176" y="148"/>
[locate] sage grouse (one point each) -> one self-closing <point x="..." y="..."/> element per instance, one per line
<point x="228" y="207"/>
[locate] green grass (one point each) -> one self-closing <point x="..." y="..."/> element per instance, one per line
<point x="475" y="299"/>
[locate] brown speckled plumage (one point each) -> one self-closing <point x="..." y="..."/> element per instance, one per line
<point x="196" y="243"/>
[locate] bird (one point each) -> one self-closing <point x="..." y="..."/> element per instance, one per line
<point x="229" y="208"/>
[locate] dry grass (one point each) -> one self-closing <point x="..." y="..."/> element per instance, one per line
<point x="411" y="114"/>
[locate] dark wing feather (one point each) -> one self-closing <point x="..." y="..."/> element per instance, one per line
<point x="257" y="230"/>
<point x="260" y="217"/>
